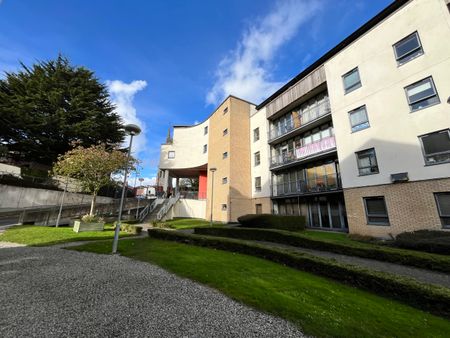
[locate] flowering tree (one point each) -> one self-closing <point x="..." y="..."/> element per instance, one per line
<point x="92" y="167"/>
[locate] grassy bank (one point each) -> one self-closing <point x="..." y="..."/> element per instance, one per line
<point x="319" y="306"/>
<point x="34" y="235"/>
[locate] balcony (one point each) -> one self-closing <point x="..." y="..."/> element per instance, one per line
<point x="300" y="154"/>
<point x="306" y="120"/>
<point x="321" y="184"/>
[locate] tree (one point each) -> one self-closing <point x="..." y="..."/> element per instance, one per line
<point x="44" y="108"/>
<point x="92" y="167"/>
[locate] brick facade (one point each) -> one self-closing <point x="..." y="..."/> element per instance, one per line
<point x="411" y="206"/>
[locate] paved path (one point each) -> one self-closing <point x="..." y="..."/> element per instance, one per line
<point x="52" y="292"/>
<point x="421" y="275"/>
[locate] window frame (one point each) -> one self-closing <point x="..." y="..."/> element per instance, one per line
<point x="258" y="188"/>
<point x="225" y="132"/>
<point x="412" y="110"/>
<point x="256" y="132"/>
<point x="224" y="207"/>
<point x="169" y="153"/>
<point x="376" y="215"/>
<point x="425" y="155"/>
<point x="441" y="216"/>
<point x="205" y="130"/>
<point x="399" y="58"/>
<point x="225" y="110"/>
<point x="224" y="155"/>
<point x="225" y="180"/>
<point x="257" y="154"/>
<point x="376" y="161"/>
<point x="354" y="87"/>
<point x="205" y="148"/>
<point x="354" y="111"/>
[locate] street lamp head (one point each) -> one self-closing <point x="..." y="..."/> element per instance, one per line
<point x="213" y="169"/>
<point x="132" y="129"/>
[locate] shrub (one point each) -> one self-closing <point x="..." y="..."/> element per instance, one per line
<point x="130" y="228"/>
<point x="423" y="296"/>
<point x="92" y="219"/>
<point x="268" y="221"/>
<point x="371" y="251"/>
<point x="425" y="240"/>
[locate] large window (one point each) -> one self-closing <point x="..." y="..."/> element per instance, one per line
<point x="255" y="134"/>
<point x="367" y="162"/>
<point x="408" y="48"/>
<point x="422" y="94"/>
<point x="171" y="154"/>
<point x="351" y="80"/>
<point x="376" y="211"/>
<point x="359" y="119"/>
<point x="258" y="184"/>
<point x="436" y="147"/>
<point x="443" y="205"/>
<point x="257" y="158"/>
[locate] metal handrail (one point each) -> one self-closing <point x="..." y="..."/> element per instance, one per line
<point x="166" y="207"/>
<point x="328" y="182"/>
<point x="147" y="210"/>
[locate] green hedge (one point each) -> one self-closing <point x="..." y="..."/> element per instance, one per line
<point x="425" y="240"/>
<point x="430" y="298"/>
<point x="364" y="250"/>
<point x="269" y="221"/>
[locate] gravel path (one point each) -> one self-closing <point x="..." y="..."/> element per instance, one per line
<point x="421" y="275"/>
<point x="52" y="292"/>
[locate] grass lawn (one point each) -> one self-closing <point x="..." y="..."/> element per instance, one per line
<point x="332" y="236"/>
<point x="189" y="223"/>
<point x="35" y="235"/>
<point x="319" y="306"/>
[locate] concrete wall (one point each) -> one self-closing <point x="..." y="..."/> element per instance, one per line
<point x="393" y="130"/>
<point x="11" y="169"/>
<point x="19" y="197"/>
<point x="188" y="208"/>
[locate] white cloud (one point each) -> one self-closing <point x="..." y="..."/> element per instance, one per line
<point x="245" y="72"/>
<point x="122" y="95"/>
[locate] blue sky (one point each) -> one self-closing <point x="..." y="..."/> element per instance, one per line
<point x="170" y="62"/>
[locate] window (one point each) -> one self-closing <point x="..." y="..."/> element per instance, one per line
<point x="171" y="154"/>
<point x="255" y="134"/>
<point x="443" y="205"/>
<point x="351" y="80"/>
<point x="225" y="131"/>
<point x="367" y="162"/>
<point x="225" y="155"/>
<point x="225" y="110"/>
<point x="422" y="94"/>
<point x="376" y="211"/>
<point x="436" y="147"/>
<point x="258" y="208"/>
<point x="359" y="119"/>
<point x="408" y="49"/>
<point x="257" y="158"/>
<point x="224" y="180"/>
<point x="258" y="184"/>
<point x="205" y="130"/>
<point x="224" y="207"/>
<point x="205" y="148"/>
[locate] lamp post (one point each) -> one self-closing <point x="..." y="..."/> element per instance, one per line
<point x="212" y="170"/>
<point x="62" y="202"/>
<point x="137" y="210"/>
<point x="132" y="130"/>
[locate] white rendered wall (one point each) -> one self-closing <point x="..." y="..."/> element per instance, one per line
<point x="258" y="120"/>
<point x="393" y="130"/>
<point x="188" y="145"/>
<point x="187" y="208"/>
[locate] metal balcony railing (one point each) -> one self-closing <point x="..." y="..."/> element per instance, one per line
<point x="305" y="117"/>
<point x="306" y="151"/>
<point x="319" y="184"/>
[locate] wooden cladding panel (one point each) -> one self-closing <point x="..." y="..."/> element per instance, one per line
<point x="305" y="85"/>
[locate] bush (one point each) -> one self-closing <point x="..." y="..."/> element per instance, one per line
<point x="426" y="297"/>
<point x="130" y="228"/>
<point x="268" y="221"/>
<point x="371" y="251"/>
<point x="425" y="240"/>
<point x="92" y="219"/>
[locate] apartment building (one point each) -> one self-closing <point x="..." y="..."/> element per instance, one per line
<point x="359" y="141"/>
